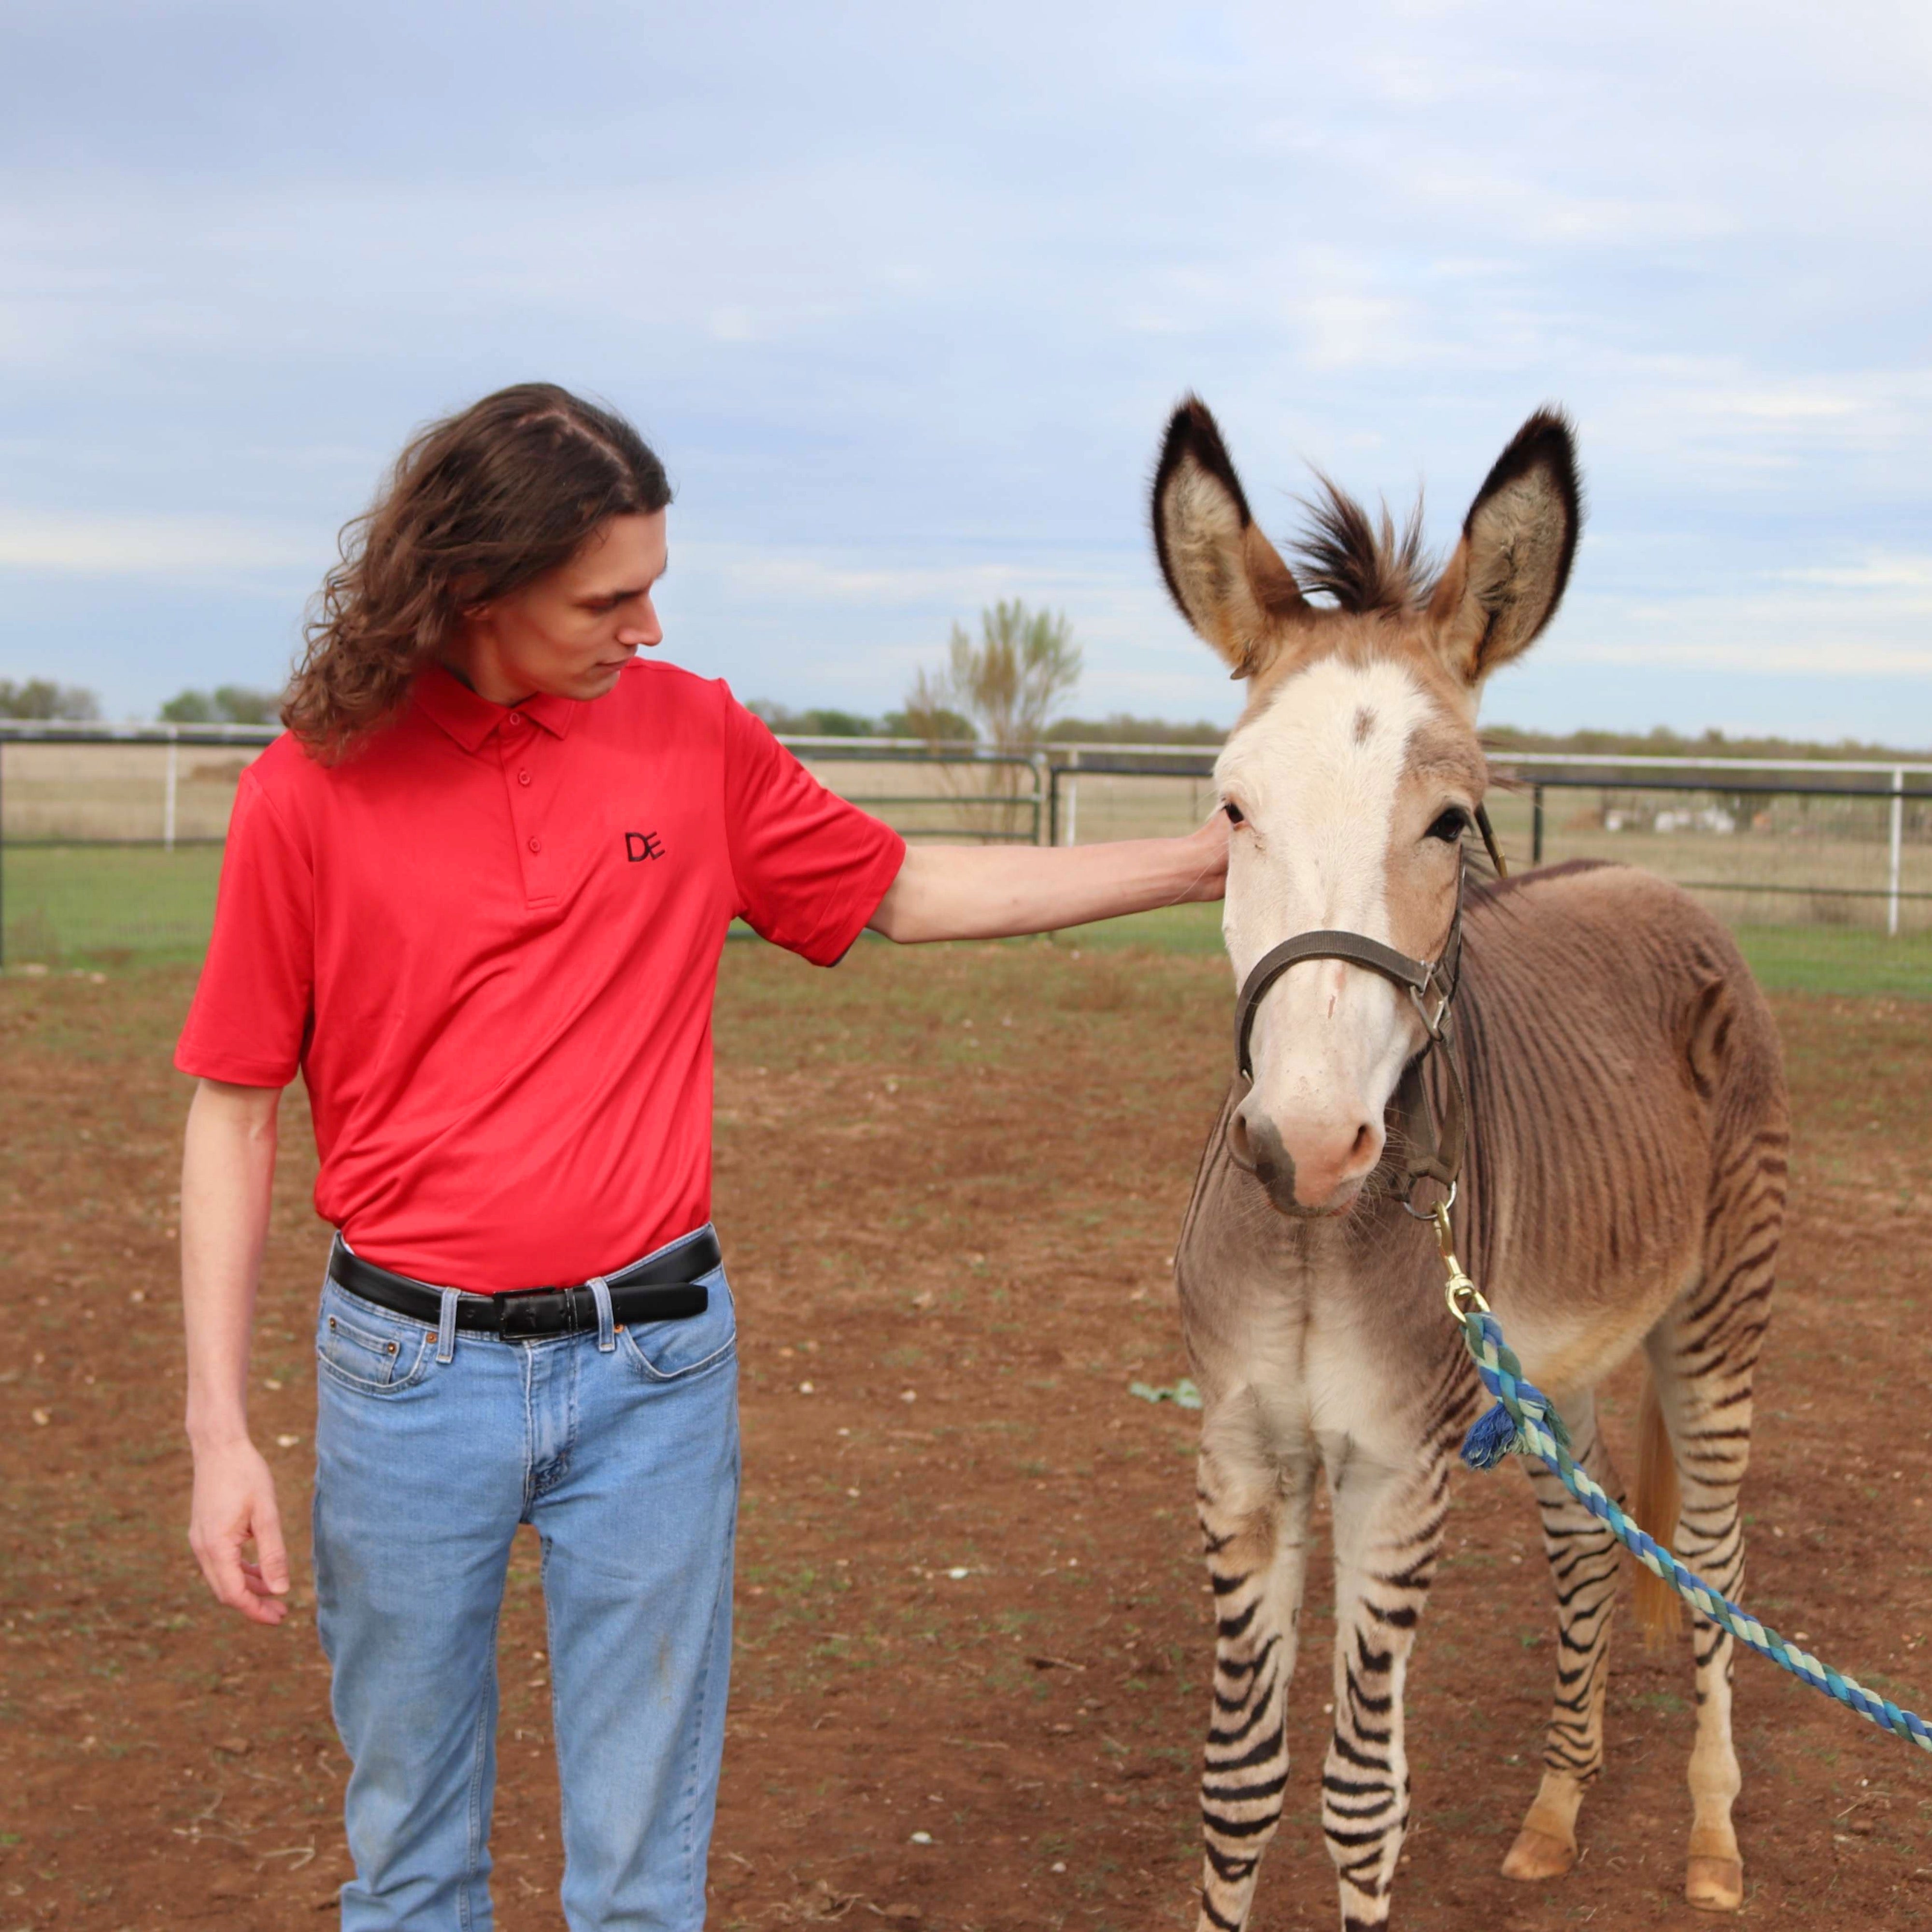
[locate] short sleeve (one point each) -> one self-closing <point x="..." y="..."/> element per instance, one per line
<point x="250" y="1016"/>
<point x="810" y="867"/>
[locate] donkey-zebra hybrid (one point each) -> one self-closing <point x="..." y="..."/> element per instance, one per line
<point x="1623" y="1183"/>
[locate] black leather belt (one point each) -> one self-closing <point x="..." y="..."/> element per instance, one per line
<point x="663" y="1289"/>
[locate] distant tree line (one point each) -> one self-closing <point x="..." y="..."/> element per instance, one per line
<point x="1117" y="727"/>
<point x="225" y="704"/>
<point x="1000" y="690"/>
<point x="821" y="720"/>
<point x="1663" y="742"/>
<point x="41" y="698"/>
<point x="1121" y="727"/>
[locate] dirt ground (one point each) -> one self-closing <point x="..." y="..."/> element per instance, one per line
<point x="974" y="1639"/>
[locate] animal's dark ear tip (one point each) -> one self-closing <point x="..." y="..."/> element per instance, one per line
<point x="1193" y="432"/>
<point x="1191" y="425"/>
<point x="1550" y="437"/>
<point x="1546" y="441"/>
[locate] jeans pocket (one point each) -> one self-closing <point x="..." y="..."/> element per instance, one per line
<point x="665" y="1351"/>
<point x="368" y="1348"/>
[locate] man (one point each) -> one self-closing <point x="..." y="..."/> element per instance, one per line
<point x="477" y="896"/>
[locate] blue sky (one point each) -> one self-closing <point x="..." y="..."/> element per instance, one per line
<point x="904" y="295"/>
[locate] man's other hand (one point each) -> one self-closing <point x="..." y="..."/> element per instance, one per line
<point x="235" y="1505"/>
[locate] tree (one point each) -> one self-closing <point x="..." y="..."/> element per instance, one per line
<point x="1009" y="684"/>
<point x="41" y="698"/>
<point x="1004" y="689"/>
<point x="226" y="704"/>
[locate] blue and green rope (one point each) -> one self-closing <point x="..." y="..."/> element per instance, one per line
<point x="1525" y="1422"/>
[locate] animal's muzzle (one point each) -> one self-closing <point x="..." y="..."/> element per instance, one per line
<point x="1315" y="1170"/>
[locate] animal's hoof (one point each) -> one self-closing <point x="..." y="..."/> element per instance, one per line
<point x="1715" y="1884"/>
<point x="1540" y="1855"/>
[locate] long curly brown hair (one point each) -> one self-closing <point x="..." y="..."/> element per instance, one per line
<point x="477" y="506"/>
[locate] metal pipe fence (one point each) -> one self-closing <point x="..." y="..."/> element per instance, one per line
<point x="110" y="836"/>
<point x="1823" y="866"/>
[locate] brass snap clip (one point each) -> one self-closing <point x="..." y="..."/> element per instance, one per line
<point x="1459" y="1291"/>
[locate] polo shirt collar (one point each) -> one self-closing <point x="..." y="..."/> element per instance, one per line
<point x="470" y="720"/>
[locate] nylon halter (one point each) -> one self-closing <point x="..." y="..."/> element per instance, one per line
<point x="1435" y="1144"/>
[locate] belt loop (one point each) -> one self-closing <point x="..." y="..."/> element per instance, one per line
<point x="606" y="1322"/>
<point x="445" y="1327"/>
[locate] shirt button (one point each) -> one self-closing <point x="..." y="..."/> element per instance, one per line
<point x="515" y="718"/>
<point x="523" y="778"/>
<point x="536" y="844"/>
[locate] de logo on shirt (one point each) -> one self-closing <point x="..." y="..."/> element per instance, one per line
<point x="639" y="846"/>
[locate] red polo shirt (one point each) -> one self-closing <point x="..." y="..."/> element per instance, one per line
<point x="490" y="940"/>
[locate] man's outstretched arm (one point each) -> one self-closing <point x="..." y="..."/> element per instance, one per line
<point x="997" y="892"/>
<point x="228" y="1168"/>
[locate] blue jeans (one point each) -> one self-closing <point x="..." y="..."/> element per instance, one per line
<point x="622" y="1448"/>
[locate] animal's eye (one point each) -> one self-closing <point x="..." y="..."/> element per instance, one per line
<point x="1451" y="825"/>
<point x="1236" y="816"/>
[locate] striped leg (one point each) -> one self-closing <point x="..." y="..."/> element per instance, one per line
<point x="1583" y="1561"/>
<point x="1703" y="1359"/>
<point x="1254" y="1525"/>
<point x="1388" y="1529"/>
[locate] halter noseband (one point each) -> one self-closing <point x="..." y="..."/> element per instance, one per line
<point x="1435" y="1145"/>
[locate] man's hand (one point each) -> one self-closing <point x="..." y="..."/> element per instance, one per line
<point x="996" y="892"/>
<point x="234" y="1504"/>
<point x="1210" y="846"/>
<point x="228" y="1167"/>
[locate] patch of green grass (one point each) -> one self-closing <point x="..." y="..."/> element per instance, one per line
<point x="68" y="905"/>
<point x="1860" y="961"/>
<point x="1183" y="928"/>
<point x="1856" y="960"/>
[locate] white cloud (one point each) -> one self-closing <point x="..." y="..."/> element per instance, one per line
<point x="1868" y="620"/>
<point x="838" y="578"/>
<point x="1519" y="203"/>
<point x="1830" y="655"/>
<point x="150" y="545"/>
<point x="1881" y="571"/>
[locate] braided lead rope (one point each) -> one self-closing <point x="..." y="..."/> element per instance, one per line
<point x="1525" y="1421"/>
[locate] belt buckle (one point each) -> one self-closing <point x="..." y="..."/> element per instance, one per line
<point x="522" y="1313"/>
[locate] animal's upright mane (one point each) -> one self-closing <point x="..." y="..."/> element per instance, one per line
<point x="1363" y="563"/>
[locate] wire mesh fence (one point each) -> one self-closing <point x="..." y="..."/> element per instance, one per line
<point x="110" y="840"/>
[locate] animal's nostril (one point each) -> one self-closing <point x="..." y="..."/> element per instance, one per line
<point x="1365" y="1139"/>
<point x="1240" y="1146"/>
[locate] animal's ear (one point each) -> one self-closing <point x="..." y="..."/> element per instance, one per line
<point x="1506" y="578"/>
<point x="1228" y="579"/>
